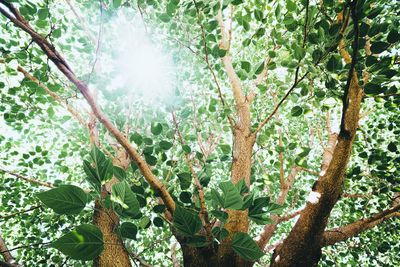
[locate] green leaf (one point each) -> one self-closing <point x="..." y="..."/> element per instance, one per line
<point x="186" y="222"/>
<point x="116" y="3"/>
<point x="43" y="13"/>
<point x="119" y="173"/>
<point x="137" y="138"/>
<point x="393" y="36"/>
<point x="102" y="165"/>
<point x="334" y="63"/>
<point x="185" y="180"/>
<point x="230" y="198"/>
<point x="65" y="199"/>
<point x="392" y="147"/>
<point x="373" y="88"/>
<point x="298" y="52"/>
<point x="85" y="242"/>
<point x="220" y="233"/>
<point x="296" y="111"/>
<point x="257" y="212"/>
<point x="226" y="149"/>
<point x="144" y="223"/>
<point x="290" y="5"/>
<point x="91" y="176"/>
<point x="242" y="187"/>
<point x="56" y="33"/>
<point x="156" y="128"/>
<point x="186" y="149"/>
<point x="151" y="160"/>
<point x="258" y="14"/>
<point x="219" y="214"/>
<point x="275" y="208"/>
<point x="245" y="65"/>
<point x="260" y="68"/>
<point x="165" y="145"/>
<point x="379" y="47"/>
<point x="127" y="204"/>
<point x="128" y="230"/>
<point x="245" y="247"/>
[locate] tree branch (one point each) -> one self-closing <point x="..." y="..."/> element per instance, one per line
<point x="30" y="180"/>
<point x="342" y="233"/>
<point x="19" y="212"/>
<point x="203" y="208"/>
<point x="9" y="259"/>
<point x="306" y="236"/>
<point x="62" y="65"/>
<point x="236" y="85"/>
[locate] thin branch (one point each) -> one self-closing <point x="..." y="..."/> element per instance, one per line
<point x="296" y="82"/>
<point x="82" y="22"/>
<point x="203" y="208"/>
<point x="19" y="212"/>
<point x="206" y="58"/>
<point x="142" y="262"/>
<point x="30" y="180"/>
<point x="175" y="261"/>
<point x="75" y="114"/>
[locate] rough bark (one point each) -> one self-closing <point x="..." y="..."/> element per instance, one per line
<point x="114" y="253"/>
<point x="305" y="237"/>
<point x="8" y="258"/>
<point x="302" y="247"/>
<point x="343" y="233"/>
<point x="243" y="142"/>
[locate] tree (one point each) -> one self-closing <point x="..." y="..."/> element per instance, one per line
<point x="280" y="139"/>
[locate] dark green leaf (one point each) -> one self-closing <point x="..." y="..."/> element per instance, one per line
<point x="392" y="147"/>
<point x="296" y="111"/>
<point x="242" y="187"/>
<point x="156" y="128"/>
<point x="186" y="222"/>
<point x="220" y="233"/>
<point x="379" y="47"/>
<point x="245" y="247"/>
<point x="65" y="199"/>
<point x="119" y="173"/>
<point x="128" y="230"/>
<point x="334" y="63"/>
<point x="165" y="145"/>
<point x="85" y="242"/>
<point x="185" y="180"/>
<point x="219" y="214"/>
<point x="125" y="199"/>
<point x="393" y="36"/>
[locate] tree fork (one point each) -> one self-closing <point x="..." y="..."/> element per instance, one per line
<point x="302" y="247"/>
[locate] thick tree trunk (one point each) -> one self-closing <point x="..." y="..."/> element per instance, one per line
<point x="302" y="247"/>
<point x="114" y="253"/>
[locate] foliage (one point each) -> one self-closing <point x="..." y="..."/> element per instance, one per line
<point x="41" y="140"/>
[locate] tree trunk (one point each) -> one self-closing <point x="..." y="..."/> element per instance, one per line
<point x="243" y="142"/>
<point x="114" y="253"/>
<point x="302" y="247"/>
